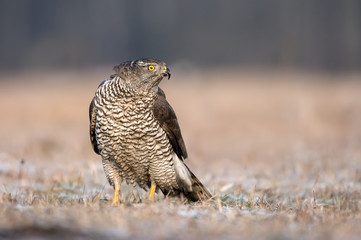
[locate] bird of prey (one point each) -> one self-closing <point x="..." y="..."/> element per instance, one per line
<point x="136" y="132"/>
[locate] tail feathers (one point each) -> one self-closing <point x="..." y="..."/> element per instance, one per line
<point x="199" y="192"/>
<point x="188" y="183"/>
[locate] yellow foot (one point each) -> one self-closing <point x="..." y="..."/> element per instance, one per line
<point x="152" y="192"/>
<point x="116" y="197"/>
<point x="116" y="203"/>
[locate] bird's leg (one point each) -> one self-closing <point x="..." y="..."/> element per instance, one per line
<point x="117" y="184"/>
<point x="152" y="192"/>
<point x="116" y="197"/>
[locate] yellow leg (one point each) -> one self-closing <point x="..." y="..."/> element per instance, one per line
<point x="116" y="197"/>
<point x="152" y="192"/>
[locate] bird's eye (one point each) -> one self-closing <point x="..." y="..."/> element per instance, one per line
<point x="151" y="68"/>
<point x="164" y="68"/>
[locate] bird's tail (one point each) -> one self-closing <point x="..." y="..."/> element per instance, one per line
<point x="188" y="183"/>
<point x="199" y="192"/>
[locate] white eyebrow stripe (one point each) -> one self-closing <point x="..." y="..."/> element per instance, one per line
<point x="140" y="63"/>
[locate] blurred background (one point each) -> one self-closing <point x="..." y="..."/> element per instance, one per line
<point x="281" y="76"/>
<point x="267" y="94"/>
<point x="309" y="35"/>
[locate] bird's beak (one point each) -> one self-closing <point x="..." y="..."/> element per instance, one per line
<point x="166" y="73"/>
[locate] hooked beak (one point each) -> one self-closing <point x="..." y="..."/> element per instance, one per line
<point x="166" y="73"/>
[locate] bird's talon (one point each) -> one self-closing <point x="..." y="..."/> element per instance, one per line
<point x="116" y="203"/>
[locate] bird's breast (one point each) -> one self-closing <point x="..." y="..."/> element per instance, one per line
<point x="128" y="133"/>
<point x="129" y="127"/>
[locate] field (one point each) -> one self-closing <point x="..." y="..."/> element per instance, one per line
<point x="280" y="151"/>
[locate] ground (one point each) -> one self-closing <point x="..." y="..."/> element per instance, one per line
<point x="280" y="151"/>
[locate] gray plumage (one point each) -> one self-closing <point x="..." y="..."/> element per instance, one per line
<point x="135" y="130"/>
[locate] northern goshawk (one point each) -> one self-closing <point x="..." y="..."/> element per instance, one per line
<point x="136" y="132"/>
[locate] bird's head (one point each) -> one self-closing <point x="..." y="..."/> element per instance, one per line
<point x="144" y="74"/>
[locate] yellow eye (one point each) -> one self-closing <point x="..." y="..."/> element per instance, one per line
<point x="151" y="68"/>
<point x="164" y="68"/>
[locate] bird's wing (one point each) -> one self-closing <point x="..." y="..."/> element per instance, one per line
<point x="92" y="119"/>
<point x="167" y="119"/>
<point x="92" y="115"/>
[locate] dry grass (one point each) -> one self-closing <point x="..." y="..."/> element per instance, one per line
<point x="280" y="151"/>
